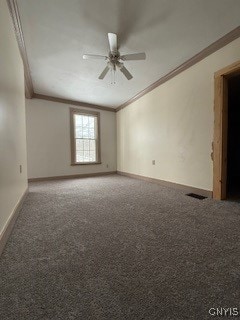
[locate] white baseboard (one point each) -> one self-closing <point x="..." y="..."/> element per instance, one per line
<point x="10" y="222"/>
<point x="187" y="189"/>
<point x="73" y="176"/>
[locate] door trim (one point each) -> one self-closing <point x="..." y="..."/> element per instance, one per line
<point x="220" y="128"/>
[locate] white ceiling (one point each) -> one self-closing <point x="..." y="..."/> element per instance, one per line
<point x="58" y="32"/>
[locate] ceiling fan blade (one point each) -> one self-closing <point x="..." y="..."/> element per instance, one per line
<point x="134" y="56"/>
<point x="94" y="56"/>
<point x="112" y="38"/>
<point x="103" y="74"/>
<point x="126" y="73"/>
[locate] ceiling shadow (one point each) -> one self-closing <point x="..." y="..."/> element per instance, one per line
<point x="127" y="17"/>
<point x="135" y="16"/>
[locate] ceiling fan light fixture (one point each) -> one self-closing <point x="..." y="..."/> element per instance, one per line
<point x="113" y="59"/>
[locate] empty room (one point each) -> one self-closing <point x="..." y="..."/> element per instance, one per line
<point x="119" y="159"/>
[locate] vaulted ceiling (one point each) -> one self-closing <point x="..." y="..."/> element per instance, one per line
<point x="58" y="32"/>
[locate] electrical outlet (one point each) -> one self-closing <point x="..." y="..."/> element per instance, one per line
<point x="20" y="168"/>
<point x="153" y="162"/>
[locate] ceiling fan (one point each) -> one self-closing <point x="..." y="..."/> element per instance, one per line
<point x="114" y="58"/>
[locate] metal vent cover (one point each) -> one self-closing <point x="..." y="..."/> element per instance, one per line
<point x="196" y="196"/>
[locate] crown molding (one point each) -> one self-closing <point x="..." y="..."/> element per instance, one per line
<point x="72" y="102"/>
<point x="220" y="43"/>
<point x="14" y="11"/>
<point x="29" y="92"/>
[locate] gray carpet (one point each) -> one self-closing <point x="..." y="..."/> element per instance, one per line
<point x="118" y="248"/>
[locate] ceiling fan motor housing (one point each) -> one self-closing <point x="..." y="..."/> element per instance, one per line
<point x="114" y="57"/>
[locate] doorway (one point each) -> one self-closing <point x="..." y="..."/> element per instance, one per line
<point x="233" y="143"/>
<point x="226" y="144"/>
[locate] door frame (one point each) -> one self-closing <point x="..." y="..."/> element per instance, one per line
<point x="221" y="129"/>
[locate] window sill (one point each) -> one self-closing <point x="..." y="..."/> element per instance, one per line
<point x="84" y="163"/>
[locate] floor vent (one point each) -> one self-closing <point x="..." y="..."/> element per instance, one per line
<point x="196" y="196"/>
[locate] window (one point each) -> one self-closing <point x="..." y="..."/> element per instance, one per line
<point x="85" y="136"/>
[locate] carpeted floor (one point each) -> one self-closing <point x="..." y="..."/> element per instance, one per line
<point x="117" y="248"/>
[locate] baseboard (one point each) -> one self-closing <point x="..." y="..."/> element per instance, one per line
<point x="186" y="189"/>
<point x="10" y="222"/>
<point x="73" y="176"/>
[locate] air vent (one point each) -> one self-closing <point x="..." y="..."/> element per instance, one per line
<point x="196" y="196"/>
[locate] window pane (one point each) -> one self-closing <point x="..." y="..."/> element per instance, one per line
<point x="91" y="133"/>
<point x="86" y="156"/>
<point x="85" y="133"/>
<point x="85" y="127"/>
<point x="91" y="122"/>
<point x="79" y="144"/>
<point x="92" y="156"/>
<point x="85" y="120"/>
<point x="79" y="156"/>
<point x="86" y="144"/>
<point x="78" y="132"/>
<point x="78" y="119"/>
<point x="92" y="145"/>
<point x="78" y="126"/>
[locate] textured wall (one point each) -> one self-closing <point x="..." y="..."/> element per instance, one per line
<point x="173" y="125"/>
<point x="12" y="120"/>
<point x="48" y="140"/>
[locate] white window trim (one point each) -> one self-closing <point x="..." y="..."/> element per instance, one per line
<point x="74" y="111"/>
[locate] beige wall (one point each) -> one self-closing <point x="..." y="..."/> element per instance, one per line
<point x="173" y="125"/>
<point x="13" y="184"/>
<point x="48" y="140"/>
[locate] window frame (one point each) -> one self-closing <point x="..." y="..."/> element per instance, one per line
<point x="84" y="112"/>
